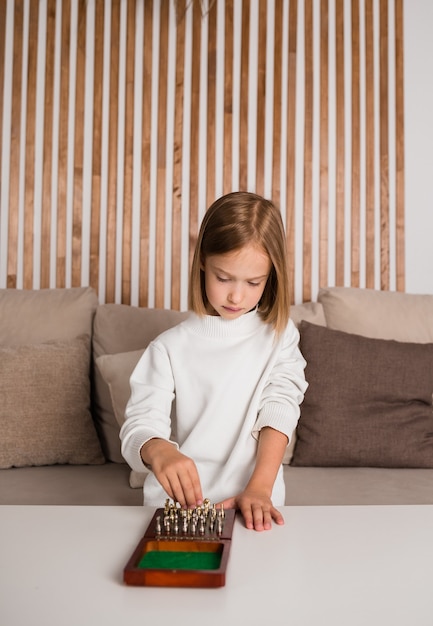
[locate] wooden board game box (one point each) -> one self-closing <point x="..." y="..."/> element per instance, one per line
<point x="183" y="548"/>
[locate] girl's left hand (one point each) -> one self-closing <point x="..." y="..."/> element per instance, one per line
<point x="256" y="508"/>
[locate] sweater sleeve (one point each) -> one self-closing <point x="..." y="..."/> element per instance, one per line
<point x="149" y="406"/>
<point x="284" y="390"/>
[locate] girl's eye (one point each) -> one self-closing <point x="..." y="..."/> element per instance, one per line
<point x="222" y="280"/>
<point x="253" y="284"/>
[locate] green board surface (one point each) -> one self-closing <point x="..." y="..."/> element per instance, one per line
<point x="168" y="559"/>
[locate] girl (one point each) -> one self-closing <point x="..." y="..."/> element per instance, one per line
<point x="232" y="370"/>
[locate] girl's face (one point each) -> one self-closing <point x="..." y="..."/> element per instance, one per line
<point x="235" y="281"/>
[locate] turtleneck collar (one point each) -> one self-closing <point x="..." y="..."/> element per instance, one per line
<point x="217" y="327"/>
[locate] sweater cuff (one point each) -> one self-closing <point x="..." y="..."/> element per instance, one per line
<point x="134" y="457"/>
<point x="278" y="416"/>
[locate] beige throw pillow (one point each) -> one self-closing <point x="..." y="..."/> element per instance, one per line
<point x="45" y="414"/>
<point x="379" y="314"/>
<point x="116" y="370"/>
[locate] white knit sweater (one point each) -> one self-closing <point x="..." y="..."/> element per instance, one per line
<point x="228" y="379"/>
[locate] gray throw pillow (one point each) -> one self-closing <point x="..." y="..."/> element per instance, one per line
<point x="369" y="401"/>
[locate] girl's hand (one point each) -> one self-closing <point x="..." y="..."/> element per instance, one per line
<point x="176" y="472"/>
<point x="256" y="508"/>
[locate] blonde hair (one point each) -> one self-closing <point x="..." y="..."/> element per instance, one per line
<point x="230" y="223"/>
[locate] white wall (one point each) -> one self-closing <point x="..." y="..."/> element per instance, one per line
<point x="418" y="42"/>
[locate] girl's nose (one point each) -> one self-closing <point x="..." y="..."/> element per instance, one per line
<point x="235" y="295"/>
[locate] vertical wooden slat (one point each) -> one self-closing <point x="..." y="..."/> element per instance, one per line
<point x="14" y="191"/>
<point x="129" y="153"/>
<point x="110" y="266"/>
<point x="145" y="154"/>
<point x="324" y="146"/>
<point x="48" y="144"/>
<point x="261" y="99"/>
<point x="176" y="220"/>
<point x="30" y="147"/>
<point x="2" y="69"/>
<point x="62" y="172"/>
<point x="383" y="147"/>
<point x="308" y="152"/>
<point x="98" y="72"/>
<point x="399" y="132"/>
<point x="228" y="96"/>
<point x="291" y="141"/>
<point x="211" y="104"/>
<point x="369" y="148"/>
<point x="339" y="142"/>
<point x="161" y="156"/>
<point x="77" y="217"/>
<point x="276" y="133"/>
<point x="243" y="122"/>
<point x="356" y="155"/>
<point x="194" y="137"/>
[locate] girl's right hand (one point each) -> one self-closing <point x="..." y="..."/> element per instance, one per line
<point x="176" y="472"/>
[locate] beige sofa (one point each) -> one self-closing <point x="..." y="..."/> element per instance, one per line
<point x="366" y="430"/>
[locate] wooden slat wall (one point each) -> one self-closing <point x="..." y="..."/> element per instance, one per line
<point x="122" y="120"/>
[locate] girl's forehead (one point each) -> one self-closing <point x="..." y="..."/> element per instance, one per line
<point x="251" y="259"/>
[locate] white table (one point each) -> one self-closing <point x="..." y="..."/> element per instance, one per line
<point x="358" y="565"/>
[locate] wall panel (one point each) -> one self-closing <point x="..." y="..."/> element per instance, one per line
<point x="122" y="120"/>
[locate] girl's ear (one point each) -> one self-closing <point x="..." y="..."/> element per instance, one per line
<point x="202" y="263"/>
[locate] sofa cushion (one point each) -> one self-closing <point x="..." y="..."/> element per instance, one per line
<point x="379" y="314"/>
<point x="305" y="486"/>
<point x="121" y="328"/>
<point x="369" y="401"/>
<point x="45" y="410"/>
<point x="353" y="486"/>
<point x="89" y="485"/>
